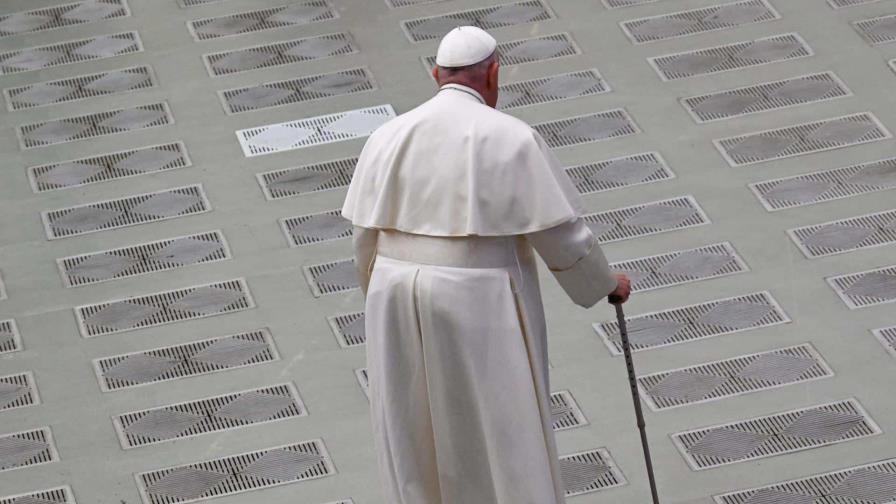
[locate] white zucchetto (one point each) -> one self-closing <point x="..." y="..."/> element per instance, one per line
<point x="465" y="45"/>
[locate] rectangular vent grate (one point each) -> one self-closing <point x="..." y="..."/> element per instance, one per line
<point x="280" y="53"/>
<point x="565" y="412"/>
<point x="75" y="51"/>
<point x="79" y="88"/>
<point x="363" y="380"/>
<point x="316" y="228"/>
<point x="95" y="125"/>
<point x="348" y="329"/>
<point x="801" y="139"/>
<point x="646" y="219"/>
<point x="695" y="322"/>
<point x="144" y="258"/>
<point x="680" y="267"/>
<point x="307" y="179"/>
<point x="806" y="89"/>
<point x="202" y="357"/>
<point x="551" y="89"/>
<point x="577" y="130"/>
<point x="528" y="50"/>
<point x="164" y="308"/>
<point x="736" y="56"/>
<point x="236" y="474"/>
<point x="10" y="341"/>
<point x="827" y="185"/>
<point x="116" y="165"/>
<point x="358" y="123"/>
<point x="618" y="4"/>
<point x="396" y="4"/>
<point x="122" y="212"/>
<point x="866" y="483"/>
<point x="732" y="377"/>
<point x="194" y="3"/>
<point x="776" y="434"/>
<point x="887" y="338"/>
<point x="866" y="288"/>
<point x="18" y="391"/>
<point x="589" y="471"/>
<point x="845" y="235"/>
<point x="332" y="277"/>
<point x="839" y="4"/>
<point x="487" y="18"/>
<point x="59" y="495"/>
<point x="61" y="16"/>
<point x="212" y="414"/>
<point x="877" y="30"/>
<point x="297" y="14"/>
<point x="313" y="87"/>
<point x="26" y="449"/>
<point x="627" y="171"/>
<point x="697" y="21"/>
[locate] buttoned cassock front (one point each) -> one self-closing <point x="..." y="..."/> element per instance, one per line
<point x="448" y="201"/>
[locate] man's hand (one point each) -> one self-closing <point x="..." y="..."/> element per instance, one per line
<point x="623" y="290"/>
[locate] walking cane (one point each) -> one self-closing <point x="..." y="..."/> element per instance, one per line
<point x="632" y="380"/>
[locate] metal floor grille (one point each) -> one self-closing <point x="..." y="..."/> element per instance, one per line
<point x="144" y="258"/>
<point x="565" y="412"/>
<point x="314" y="87"/>
<point x="79" y="88"/>
<point x="877" y="31"/>
<point x="395" y="4"/>
<point x="732" y="377"/>
<point x="618" y="4"/>
<point x="59" y="495"/>
<point x="10" y="341"/>
<point x="212" y="414"/>
<point x="646" y="219"/>
<point x="18" y="391"/>
<point x="316" y="228"/>
<point x="776" y="434"/>
<point x="577" y="130"/>
<point x="164" y="308"/>
<point x="332" y="277"/>
<point x="113" y="122"/>
<point x="235" y="474"/>
<point x="866" y="288"/>
<point x="27" y="449"/>
<point x="280" y="53"/>
<point x="887" y="338"/>
<point x="348" y="329"/>
<point x="695" y="322"/>
<point x="803" y="90"/>
<point x="620" y="172"/>
<point x="129" y="211"/>
<point x="801" y="139"/>
<point x="728" y="57"/>
<point x="551" y="89"/>
<point x="194" y="3"/>
<point x="202" y="357"/>
<point x="528" y="50"/>
<point x="697" y="21"/>
<point x="845" y="235"/>
<point x="871" y="483"/>
<point x="589" y="471"/>
<point x="676" y="268"/>
<point x="488" y="18"/>
<point x="826" y="185"/>
<point x="319" y="130"/>
<point x="307" y="179"/>
<point x="61" y="16"/>
<point x="839" y="4"/>
<point x="75" y="51"/>
<point x="292" y="15"/>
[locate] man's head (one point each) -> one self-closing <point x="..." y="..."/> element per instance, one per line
<point x="467" y="57"/>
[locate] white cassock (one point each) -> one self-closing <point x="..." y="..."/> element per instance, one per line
<point x="448" y="202"/>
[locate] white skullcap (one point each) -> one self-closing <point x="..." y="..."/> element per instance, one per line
<point x="465" y="45"/>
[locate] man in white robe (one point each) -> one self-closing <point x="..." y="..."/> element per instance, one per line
<point x="448" y="201"/>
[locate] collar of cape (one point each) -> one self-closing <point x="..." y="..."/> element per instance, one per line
<point x="463" y="89"/>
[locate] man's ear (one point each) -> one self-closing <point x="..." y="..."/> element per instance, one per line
<point x="493" y="74"/>
<point x="435" y="73"/>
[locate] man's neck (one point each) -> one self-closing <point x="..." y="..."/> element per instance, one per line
<point x="463" y="88"/>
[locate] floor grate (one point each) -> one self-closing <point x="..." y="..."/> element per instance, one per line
<point x="802" y="90"/>
<point x="202" y="357"/>
<point x="316" y="228"/>
<point x="59" y="495"/>
<point x="314" y="87"/>
<point x="877" y="31"/>
<point x="79" y="88"/>
<point x="736" y="56"/>
<point x="17" y="391"/>
<point x="348" y="329"/>
<point x="839" y="4"/>
<point x="75" y="51"/>
<point x="144" y="258"/>
<point x="732" y="377"/>
<point x="209" y="415"/>
<point x="680" y="267"/>
<point x="801" y="139"/>
<point x="565" y="412"/>
<point x="866" y="288"/>
<point x="487" y="18"/>
<point x="646" y="219"/>
<point x="618" y="4"/>
<point x="695" y="322"/>
<point x="395" y="4"/>
<point x="528" y="50"/>
<point x="129" y="211"/>
<point x="280" y="53"/>
<point x="551" y="89"/>
<point x="887" y="338"/>
<point x="332" y="277"/>
<point x="307" y="179"/>
<point x="27" y="448"/>
<point x="845" y="235"/>
<point x="117" y="165"/>
<point x="61" y="16"/>
<point x="10" y="341"/>
<point x="358" y="123"/>
<point x="194" y="3"/>
<point x="777" y="434"/>
<point x="286" y="16"/>
<point x="589" y="471"/>
<point x="697" y="21"/>
<point x="826" y="185"/>
<point x="627" y="171"/>
<point x="875" y="482"/>
<point x="363" y="380"/>
<point x="164" y="308"/>
<point x="236" y="474"/>
<point x="113" y="122"/>
<point x="577" y="130"/>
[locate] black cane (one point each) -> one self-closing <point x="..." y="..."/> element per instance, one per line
<point x="632" y="380"/>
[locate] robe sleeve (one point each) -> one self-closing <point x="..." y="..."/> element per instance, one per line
<point x="364" y="244"/>
<point x="576" y="260"/>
